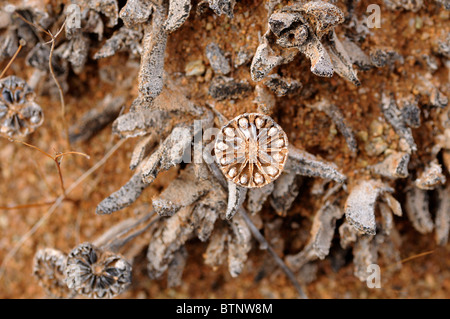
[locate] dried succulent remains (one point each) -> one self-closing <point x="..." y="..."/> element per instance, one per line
<point x="19" y="114"/>
<point x="97" y="273"/>
<point x="49" y="269"/>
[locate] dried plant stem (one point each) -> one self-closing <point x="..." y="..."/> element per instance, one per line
<point x="53" y="208"/>
<point x="264" y="244"/>
<point x="56" y="159"/>
<point x="120" y="242"/>
<point x="120" y="229"/>
<point x="417" y="256"/>
<point x="50" y="66"/>
<point x="61" y="94"/>
<point x="12" y="60"/>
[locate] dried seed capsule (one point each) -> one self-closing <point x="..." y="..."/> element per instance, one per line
<point x="93" y="272"/>
<point x="19" y="114"/>
<point x="48" y="268"/>
<point x="256" y="150"/>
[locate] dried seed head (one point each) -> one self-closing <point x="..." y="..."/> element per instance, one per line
<point x="48" y="268"/>
<point x="93" y="272"/>
<point x="251" y="150"/>
<point x="19" y="114"/>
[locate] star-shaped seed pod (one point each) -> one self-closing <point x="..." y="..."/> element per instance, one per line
<point x="48" y="268"/>
<point x="97" y="273"/>
<point x="251" y="150"/>
<point x="19" y="114"/>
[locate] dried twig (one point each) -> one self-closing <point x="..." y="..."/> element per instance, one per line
<point x="265" y="245"/>
<point x="53" y="208"/>
<point x="21" y="45"/>
<point x="61" y="94"/>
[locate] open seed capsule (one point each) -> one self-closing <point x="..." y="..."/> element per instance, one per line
<point x="258" y="153"/>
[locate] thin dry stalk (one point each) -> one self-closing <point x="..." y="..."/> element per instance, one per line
<point x="264" y="244"/>
<point x="21" y="44"/>
<point x="53" y="208"/>
<point x="61" y="94"/>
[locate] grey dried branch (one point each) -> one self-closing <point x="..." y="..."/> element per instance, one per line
<point x="217" y="59"/>
<point x="222" y="7"/>
<point x="335" y="114"/>
<point x="19" y="114"/>
<point x="387" y="218"/>
<point x="305" y="164"/>
<point x="96" y="119"/>
<point x="256" y="197"/>
<point x="170" y="235"/>
<point x="223" y="87"/>
<point x="387" y="247"/>
<point x="263" y="244"/>
<point x="360" y="205"/>
<point x="393" y="115"/>
<point x="48" y="267"/>
<point x="215" y="252"/>
<point x="141" y="123"/>
<point x="9" y="43"/>
<point x="183" y="191"/>
<point x="342" y="63"/>
<point x="152" y="60"/>
<point x="282" y="86"/>
<point x="393" y="204"/>
<point x="124" y="39"/>
<point x="410" y="112"/>
<point x="410" y="5"/>
<point x="207" y="210"/>
<point x="431" y="177"/>
<point x="417" y="209"/>
<point x="123" y="197"/>
<point x="323" y="16"/>
<point x="356" y="55"/>
<point x="76" y="51"/>
<point x="347" y="234"/>
<point x="394" y="166"/>
<point x="264" y="99"/>
<point x="38" y="58"/>
<point x="239" y="244"/>
<point x="265" y="58"/>
<point x="109" y="8"/>
<point x="236" y="197"/>
<point x="174" y="99"/>
<point x="178" y="13"/>
<point x="176" y="267"/>
<point x="444" y="3"/>
<point x="442" y="219"/>
<point x="381" y="57"/>
<point x="303" y="26"/>
<point x="286" y="189"/>
<point x="141" y="150"/>
<point x="365" y="254"/>
<point x="322" y="233"/>
<point x="96" y="273"/>
<point x="243" y="57"/>
<point x="136" y="12"/>
<point x="170" y="153"/>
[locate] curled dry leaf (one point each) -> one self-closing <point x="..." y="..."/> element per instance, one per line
<point x="360" y="205"/>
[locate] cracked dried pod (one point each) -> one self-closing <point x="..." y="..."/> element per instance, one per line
<point x="48" y="267"/>
<point x="96" y="272"/>
<point x="19" y="114"/>
<point x="251" y="150"/>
